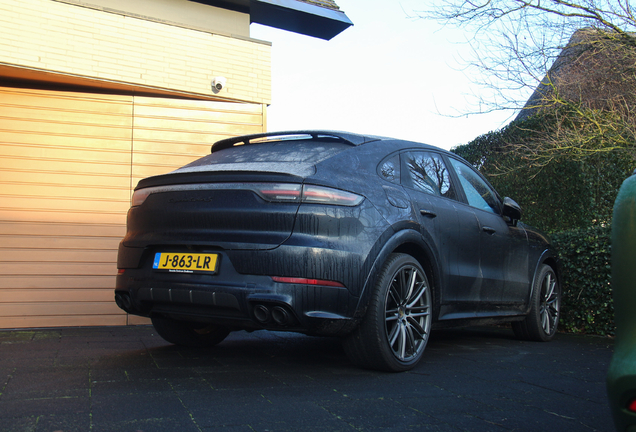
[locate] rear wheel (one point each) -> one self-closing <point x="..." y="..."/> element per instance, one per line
<point x="396" y="327"/>
<point x="190" y="334"/>
<point x="541" y="323"/>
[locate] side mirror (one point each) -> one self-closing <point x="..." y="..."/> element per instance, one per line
<point x="511" y="210"/>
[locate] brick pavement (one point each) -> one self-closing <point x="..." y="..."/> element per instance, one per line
<point x="129" y="379"/>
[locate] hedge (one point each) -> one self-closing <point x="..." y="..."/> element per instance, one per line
<point x="587" y="305"/>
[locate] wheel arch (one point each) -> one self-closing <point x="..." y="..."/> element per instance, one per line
<point x="542" y="317"/>
<point x="425" y="256"/>
<point x="410" y="242"/>
<point x="553" y="262"/>
<point x="549" y="258"/>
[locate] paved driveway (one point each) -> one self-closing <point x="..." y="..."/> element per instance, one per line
<point x="129" y="379"/>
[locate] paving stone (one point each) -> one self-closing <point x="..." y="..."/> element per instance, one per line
<point x="129" y="379"/>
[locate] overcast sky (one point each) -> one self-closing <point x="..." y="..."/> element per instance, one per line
<point x="386" y="75"/>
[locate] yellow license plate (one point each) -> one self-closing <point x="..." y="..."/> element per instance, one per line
<point x="185" y="262"/>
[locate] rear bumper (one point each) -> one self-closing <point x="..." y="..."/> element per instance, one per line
<point x="328" y="243"/>
<point x="237" y="301"/>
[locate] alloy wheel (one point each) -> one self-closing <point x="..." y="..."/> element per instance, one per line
<point x="408" y="318"/>
<point x="549" y="308"/>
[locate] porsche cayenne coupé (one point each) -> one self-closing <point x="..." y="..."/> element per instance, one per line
<point x="374" y="240"/>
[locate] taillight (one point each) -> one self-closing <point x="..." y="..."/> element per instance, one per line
<point x="273" y="192"/>
<point x="305" y="281"/>
<point x="325" y="195"/>
<point x="284" y="192"/>
<point x="140" y="196"/>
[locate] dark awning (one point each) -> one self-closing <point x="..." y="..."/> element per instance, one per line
<point x="299" y="17"/>
<point x="317" y="18"/>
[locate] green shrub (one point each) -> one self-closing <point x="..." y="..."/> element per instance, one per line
<point x="587" y="305"/>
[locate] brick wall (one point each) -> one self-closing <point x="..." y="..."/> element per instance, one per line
<point x="72" y="39"/>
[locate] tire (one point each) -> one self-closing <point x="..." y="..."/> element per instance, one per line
<point x="541" y="323"/>
<point x="395" y="329"/>
<point x="190" y="334"/>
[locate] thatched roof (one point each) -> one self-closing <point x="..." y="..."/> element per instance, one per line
<point x="329" y="4"/>
<point x="596" y="68"/>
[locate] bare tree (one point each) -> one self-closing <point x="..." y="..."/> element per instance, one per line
<point x="515" y="42"/>
<point x="575" y="58"/>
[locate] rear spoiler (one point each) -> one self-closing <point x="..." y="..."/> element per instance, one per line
<point x="345" y="137"/>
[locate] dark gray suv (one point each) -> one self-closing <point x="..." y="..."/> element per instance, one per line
<point x="374" y="240"/>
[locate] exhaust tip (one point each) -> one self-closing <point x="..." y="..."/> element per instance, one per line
<point x="124" y="301"/>
<point x="280" y="315"/>
<point x="262" y="313"/>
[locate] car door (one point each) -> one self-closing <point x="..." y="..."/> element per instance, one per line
<point x="453" y="227"/>
<point x="503" y="251"/>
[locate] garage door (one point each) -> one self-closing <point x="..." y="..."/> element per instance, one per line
<point x="68" y="163"/>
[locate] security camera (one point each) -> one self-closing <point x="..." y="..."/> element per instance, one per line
<point x="218" y="83"/>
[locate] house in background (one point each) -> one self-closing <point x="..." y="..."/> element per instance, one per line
<point x="96" y="95"/>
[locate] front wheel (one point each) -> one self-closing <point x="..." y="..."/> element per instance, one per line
<point x="191" y="334"/>
<point x="541" y="323"/>
<point x="394" y="332"/>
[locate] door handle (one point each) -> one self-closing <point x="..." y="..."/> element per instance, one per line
<point x="428" y="213"/>
<point x="489" y="230"/>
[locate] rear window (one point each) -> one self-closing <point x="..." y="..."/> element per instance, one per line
<point x="310" y="152"/>
<point x="291" y="157"/>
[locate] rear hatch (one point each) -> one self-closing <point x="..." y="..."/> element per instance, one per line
<point x="240" y="197"/>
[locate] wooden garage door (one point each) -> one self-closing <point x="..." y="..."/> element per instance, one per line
<point x="64" y="191"/>
<point x="169" y="133"/>
<point x="68" y="163"/>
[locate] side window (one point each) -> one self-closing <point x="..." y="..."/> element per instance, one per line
<point x="427" y="172"/>
<point x="389" y="169"/>
<point x="477" y="191"/>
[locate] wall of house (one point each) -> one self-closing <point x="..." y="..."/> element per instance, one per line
<point x="84" y="41"/>
<point x="179" y="12"/>
<point x="91" y="101"/>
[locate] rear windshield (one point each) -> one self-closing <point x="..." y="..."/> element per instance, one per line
<point x="278" y="151"/>
<point x="291" y="156"/>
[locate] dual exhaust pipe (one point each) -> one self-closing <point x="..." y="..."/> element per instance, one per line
<point x="124" y="302"/>
<point x="266" y="314"/>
